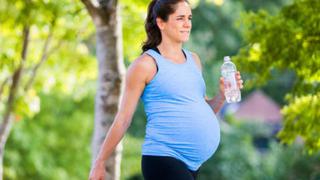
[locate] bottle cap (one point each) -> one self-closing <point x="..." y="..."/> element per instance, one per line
<point x="226" y="58"/>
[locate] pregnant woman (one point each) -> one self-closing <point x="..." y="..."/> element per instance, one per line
<point x="182" y="130"/>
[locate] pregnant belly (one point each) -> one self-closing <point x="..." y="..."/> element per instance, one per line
<point x="194" y="132"/>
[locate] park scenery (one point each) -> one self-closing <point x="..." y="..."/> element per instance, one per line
<point x="63" y="65"/>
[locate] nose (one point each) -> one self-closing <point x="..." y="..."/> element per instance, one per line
<point x="187" y="23"/>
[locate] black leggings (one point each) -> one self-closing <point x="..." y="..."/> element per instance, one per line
<point x="165" y="168"/>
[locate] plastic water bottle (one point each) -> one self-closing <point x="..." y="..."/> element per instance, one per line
<point x="228" y="72"/>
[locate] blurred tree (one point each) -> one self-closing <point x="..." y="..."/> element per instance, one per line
<point x="35" y="38"/>
<point x="106" y="18"/>
<point x="288" y="41"/>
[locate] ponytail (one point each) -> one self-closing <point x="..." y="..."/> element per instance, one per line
<point x="152" y="30"/>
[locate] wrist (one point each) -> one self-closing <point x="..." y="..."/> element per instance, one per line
<point x="99" y="161"/>
<point x="221" y="96"/>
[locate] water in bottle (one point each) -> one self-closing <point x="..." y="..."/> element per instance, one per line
<point x="231" y="89"/>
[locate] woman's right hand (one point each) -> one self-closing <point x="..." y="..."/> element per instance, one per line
<point x="98" y="171"/>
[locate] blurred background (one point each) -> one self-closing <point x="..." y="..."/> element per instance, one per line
<point x="273" y="133"/>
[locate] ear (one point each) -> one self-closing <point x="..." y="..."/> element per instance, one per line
<point x="160" y="23"/>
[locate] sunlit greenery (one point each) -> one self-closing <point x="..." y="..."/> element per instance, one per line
<point x="276" y="49"/>
<point x="288" y="41"/>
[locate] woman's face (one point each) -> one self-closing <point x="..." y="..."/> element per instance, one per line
<point x="178" y="25"/>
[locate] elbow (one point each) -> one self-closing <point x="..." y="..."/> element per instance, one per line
<point x="124" y="120"/>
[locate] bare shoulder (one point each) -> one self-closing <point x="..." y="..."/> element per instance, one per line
<point x="143" y="67"/>
<point x="197" y="60"/>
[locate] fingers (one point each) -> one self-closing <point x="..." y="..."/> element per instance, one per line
<point x="238" y="76"/>
<point x="221" y="80"/>
<point x="239" y="80"/>
<point x="240" y="84"/>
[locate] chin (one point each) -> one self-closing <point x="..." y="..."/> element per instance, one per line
<point x="183" y="39"/>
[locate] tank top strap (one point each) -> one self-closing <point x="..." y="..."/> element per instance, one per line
<point x="191" y="61"/>
<point x="155" y="55"/>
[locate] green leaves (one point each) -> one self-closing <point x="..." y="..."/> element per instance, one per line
<point x="249" y="151"/>
<point x="53" y="144"/>
<point x="301" y="118"/>
<point x="27" y="105"/>
<point x="58" y="55"/>
<point x="133" y="14"/>
<point x="288" y="41"/>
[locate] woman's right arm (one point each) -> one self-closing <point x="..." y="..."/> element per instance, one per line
<point x="136" y="78"/>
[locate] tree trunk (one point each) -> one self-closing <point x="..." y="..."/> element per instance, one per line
<point x="107" y="20"/>
<point x="6" y="123"/>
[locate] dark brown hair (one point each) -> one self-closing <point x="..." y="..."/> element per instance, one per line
<point x="161" y="9"/>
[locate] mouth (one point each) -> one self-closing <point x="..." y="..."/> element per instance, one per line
<point x="185" y="32"/>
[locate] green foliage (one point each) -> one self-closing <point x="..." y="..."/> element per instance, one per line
<point x="138" y="123"/>
<point x="51" y="135"/>
<point x="238" y="158"/>
<point x="133" y="14"/>
<point x="302" y="118"/>
<point x="288" y="41"/>
<point x="131" y="158"/>
<point x="64" y="65"/>
<point x="54" y="144"/>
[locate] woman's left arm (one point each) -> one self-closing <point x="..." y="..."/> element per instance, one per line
<point x="216" y="102"/>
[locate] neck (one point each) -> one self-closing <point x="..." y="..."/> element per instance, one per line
<point x="169" y="47"/>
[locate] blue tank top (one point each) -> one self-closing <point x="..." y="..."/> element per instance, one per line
<point x="180" y="123"/>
